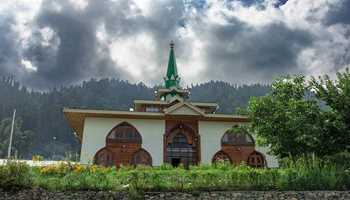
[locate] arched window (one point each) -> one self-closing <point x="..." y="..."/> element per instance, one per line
<point x="237" y="139"/>
<point x="141" y="157"/>
<point x="221" y="156"/>
<point x="104" y="157"/>
<point x="256" y="159"/>
<point x="124" y="133"/>
<point x="180" y="140"/>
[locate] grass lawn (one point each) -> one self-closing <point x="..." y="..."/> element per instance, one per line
<point x="302" y="174"/>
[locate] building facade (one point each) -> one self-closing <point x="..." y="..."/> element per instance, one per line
<point x="169" y="129"/>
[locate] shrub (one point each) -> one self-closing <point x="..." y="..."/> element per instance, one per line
<point x="15" y="175"/>
<point x="342" y="159"/>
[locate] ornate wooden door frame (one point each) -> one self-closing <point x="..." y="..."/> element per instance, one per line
<point x="189" y="129"/>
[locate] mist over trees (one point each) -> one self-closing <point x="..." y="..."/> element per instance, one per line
<point x="40" y="113"/>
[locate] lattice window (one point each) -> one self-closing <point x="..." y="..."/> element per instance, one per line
<point x="221" y="156"/>
<point x="104" y="157"/>
<point x="179" y="149"/>
<point x="237" y="139"/>
<point x="256" y="159"/>
<point x="124" y="133"/>
<point x="141" y="157"/>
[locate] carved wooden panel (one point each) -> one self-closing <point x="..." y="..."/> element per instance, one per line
<point x="237" y="139"/>
<point x="221" y="156"/>
<point x="122" y="142"/>
<point x="104" y="157"/>
<point x="256" y="159"/>
<point x="124" y="133"/>
<point x="238" y="154"/>
<point x="240" y="147"/>
<point x="141" y="157"/>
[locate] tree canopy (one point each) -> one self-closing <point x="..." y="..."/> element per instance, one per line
<point x="299" y="117"/>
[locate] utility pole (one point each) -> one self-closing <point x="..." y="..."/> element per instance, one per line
<point x="11" y="135"/>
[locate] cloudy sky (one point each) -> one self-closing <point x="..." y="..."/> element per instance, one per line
<point x="47" y="43"/>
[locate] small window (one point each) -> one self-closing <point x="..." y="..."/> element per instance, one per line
<point x="152" y="109"/>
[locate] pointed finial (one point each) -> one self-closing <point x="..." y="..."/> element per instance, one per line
<point x="172" y="44"/>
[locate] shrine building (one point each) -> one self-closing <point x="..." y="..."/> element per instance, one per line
<point x="169" y="129"/>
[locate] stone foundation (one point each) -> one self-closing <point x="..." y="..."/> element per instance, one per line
<point x="38" y="194"/>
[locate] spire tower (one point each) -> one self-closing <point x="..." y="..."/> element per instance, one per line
<point x="172" y="89"/>
<point x="172" y="78"/>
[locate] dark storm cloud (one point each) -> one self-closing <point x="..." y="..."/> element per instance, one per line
<point x="339" y="13"/>
<point x="242" y="53"/>
<point x="74" y="53"/>
<point x="238" y="50"/>
<point x="75" y="56"/>
<point x="9" y="56"/>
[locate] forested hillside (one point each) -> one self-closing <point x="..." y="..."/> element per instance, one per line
<point x="40" y="113"/>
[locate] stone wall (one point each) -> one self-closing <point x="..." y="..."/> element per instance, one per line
<point x="38" y="194"/>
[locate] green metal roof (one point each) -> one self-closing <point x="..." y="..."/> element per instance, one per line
<point x="172" y="78"/>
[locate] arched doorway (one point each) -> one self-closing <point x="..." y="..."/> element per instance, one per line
<point x="256" y="159"/>
<point x="141" y="157"/>
<point x="104" y="157"/>
<point x="181" y="146"/>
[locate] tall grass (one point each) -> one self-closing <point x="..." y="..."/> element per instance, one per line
<point x="15" y="175"/>
<point x="301" y="174"/>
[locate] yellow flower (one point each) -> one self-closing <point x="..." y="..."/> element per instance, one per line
<point x="78" y="168"/>
<point x="93" y="169"/>
<point x="37" y="158"/>
<point x="50" y="169"/>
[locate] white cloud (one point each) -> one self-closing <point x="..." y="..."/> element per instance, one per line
<point x="136" y="56"/>
<point x="79" y="4"/>
<point x="28" y="65"/>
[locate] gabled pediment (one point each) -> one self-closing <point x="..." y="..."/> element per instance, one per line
<point x="184" y="108"/>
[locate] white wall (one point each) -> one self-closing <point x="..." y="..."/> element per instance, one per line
<point x="96" y="130"/>
<point x="271" y="160"/>
<point x="211" y="133"/>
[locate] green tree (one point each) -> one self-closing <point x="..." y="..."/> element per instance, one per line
<point x="22" y="139"/>
<point x="336" y="125"/>
<point x="285" y="119"/>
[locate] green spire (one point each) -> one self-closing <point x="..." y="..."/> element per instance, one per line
<point x="172" y="79"/>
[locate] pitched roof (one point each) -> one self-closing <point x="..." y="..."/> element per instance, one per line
<point x="177" y="106"/>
